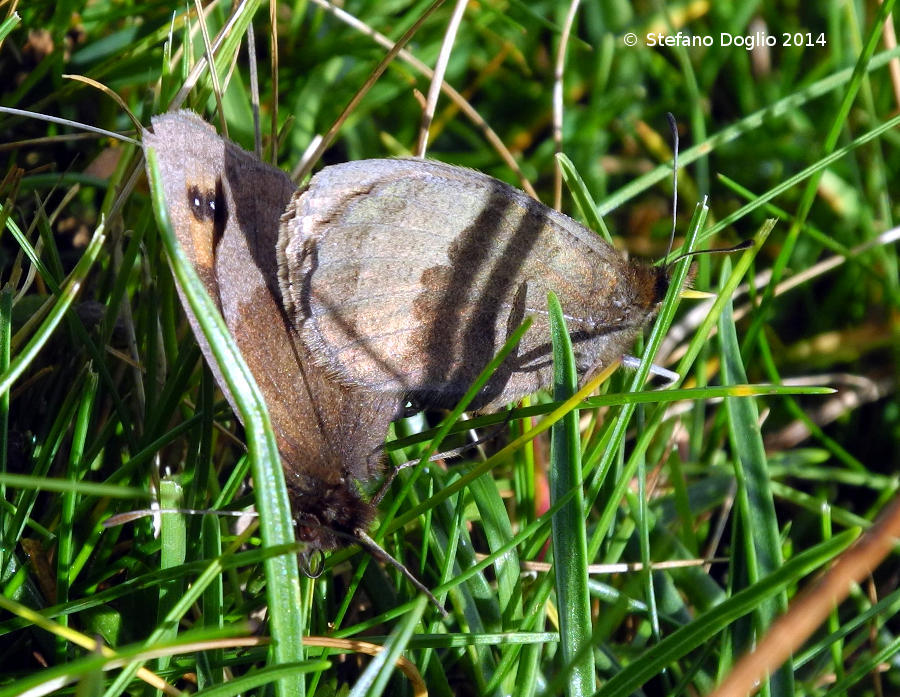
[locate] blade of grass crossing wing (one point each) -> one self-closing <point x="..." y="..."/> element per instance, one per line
<point x="276" y="527"/>
<point x="568" y="524"/>
<point x="444" y="428"/>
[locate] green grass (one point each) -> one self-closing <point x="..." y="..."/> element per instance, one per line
<point x="105" y="396"/>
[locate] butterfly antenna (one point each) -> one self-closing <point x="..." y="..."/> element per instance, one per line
<point x="746" y="244"/>
<point x="377" y="551"/>
<point x="673" y="126"/>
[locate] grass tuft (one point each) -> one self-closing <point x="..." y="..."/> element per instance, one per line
<point x="776" y="450"/>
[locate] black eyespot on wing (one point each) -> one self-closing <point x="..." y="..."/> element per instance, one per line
<point x="202" y="203"/>
<point x="209" y="205"/>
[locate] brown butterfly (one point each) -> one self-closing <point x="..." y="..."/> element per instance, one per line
<point x="406" y="277"/>
<point x="225" y="206"/>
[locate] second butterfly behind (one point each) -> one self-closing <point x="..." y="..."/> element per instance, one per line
<point x="406" y="277"/>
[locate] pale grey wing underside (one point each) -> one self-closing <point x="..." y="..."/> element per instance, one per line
<point x="407" y="276"/>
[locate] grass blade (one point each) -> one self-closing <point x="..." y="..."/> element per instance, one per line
<point x="761" y="541"/>
<point x="282" y="574"/>
<point x="570" y="560"/>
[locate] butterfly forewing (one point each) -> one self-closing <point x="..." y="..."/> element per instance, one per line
<point x="225" y="206"/>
